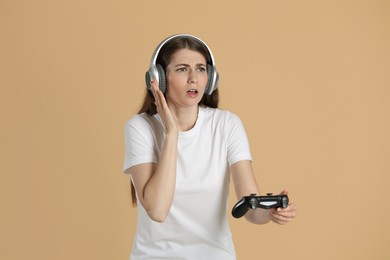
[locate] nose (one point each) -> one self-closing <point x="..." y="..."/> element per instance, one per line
<point x="192" y="78"/>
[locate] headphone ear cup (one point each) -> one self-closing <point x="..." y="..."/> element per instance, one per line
<point x="147" y="80"/>
<point x="162" y="81"/>
<point x="210" y="87"/>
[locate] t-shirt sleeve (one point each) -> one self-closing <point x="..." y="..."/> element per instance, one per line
<point x="139" y="143"/>
<point x="237" y="141"/>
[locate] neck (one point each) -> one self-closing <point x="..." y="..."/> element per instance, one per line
<point x="186" y="117"/>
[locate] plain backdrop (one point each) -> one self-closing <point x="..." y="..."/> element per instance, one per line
<point x="309" y="79"/>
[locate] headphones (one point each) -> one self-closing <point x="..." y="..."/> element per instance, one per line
<point x="156" y="71"/>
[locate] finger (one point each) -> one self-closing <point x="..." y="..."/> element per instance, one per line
<point x="156" y="94"/>
<point x="278" y="219"/>
<point x="162" y="99"/>
<point x="287" y="214"/>
<point x="291" y="207"/>
<point x="159" y="96"/>
<point x="284" y="192"/>
<point x="281" y="218"/>
<point x="153" y="88"/>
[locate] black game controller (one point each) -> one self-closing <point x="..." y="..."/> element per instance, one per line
<point x="264" y="202"/>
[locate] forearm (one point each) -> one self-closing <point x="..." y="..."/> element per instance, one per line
<point x="160" y="189"/>
<point x="244" y="185"/>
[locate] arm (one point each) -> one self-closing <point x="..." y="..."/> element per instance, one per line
<point x="155" y="183"/>
<point x="245" y="184"/>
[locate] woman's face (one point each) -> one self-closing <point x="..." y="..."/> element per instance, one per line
<point x="186" y="77"/>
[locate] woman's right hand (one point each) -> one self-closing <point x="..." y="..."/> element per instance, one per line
<point x="169" y="120"/>
<point x="155" y="183"/>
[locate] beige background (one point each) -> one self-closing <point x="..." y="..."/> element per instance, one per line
<point x="310" y="80"/>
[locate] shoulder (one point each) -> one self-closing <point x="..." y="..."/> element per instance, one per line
<point x="140" y="120"/>
<point x="221" y="115"/>
<point x="143" y="123"/>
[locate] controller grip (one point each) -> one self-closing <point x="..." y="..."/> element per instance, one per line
<point x="240" y="208"/>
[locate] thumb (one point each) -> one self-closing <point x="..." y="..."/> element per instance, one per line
<point x="284" y="192"/>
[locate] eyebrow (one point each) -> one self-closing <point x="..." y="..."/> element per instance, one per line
<point x="187" y="65"/>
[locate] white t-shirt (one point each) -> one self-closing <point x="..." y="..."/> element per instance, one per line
<point x="197" y="223"/>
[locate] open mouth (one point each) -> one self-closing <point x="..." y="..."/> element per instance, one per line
<point x="192" y="91"/>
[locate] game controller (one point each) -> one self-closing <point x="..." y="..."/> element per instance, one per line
<point x="264" y="202"/>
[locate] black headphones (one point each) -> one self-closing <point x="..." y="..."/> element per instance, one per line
<point x="156" y="71"/>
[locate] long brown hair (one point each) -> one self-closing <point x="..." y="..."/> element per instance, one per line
<point x="164" y="58"/>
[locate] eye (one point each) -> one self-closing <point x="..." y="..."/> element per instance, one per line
<point x="182" y="69"/>
<point x="201" y="69"/>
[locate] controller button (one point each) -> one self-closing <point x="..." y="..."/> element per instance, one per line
<point x="284" y="202"/>
<point x="253" y="202"/>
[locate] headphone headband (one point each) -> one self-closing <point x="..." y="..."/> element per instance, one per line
<point x="157" y="72"/>
<point x="182" y="35"/>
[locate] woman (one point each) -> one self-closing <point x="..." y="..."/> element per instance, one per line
<point x="180" y="153"/>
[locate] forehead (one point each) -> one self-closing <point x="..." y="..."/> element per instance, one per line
<point x="187" y="56"/>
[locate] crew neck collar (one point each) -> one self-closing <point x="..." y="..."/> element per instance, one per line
<point x="197" y="124"/>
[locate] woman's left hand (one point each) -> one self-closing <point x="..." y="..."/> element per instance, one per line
<point x="283" y="216"/>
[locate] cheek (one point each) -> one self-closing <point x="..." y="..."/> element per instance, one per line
<point x="173" y="80"/>
<point x="174" y="84"/>
<point x="204" y="81"/>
